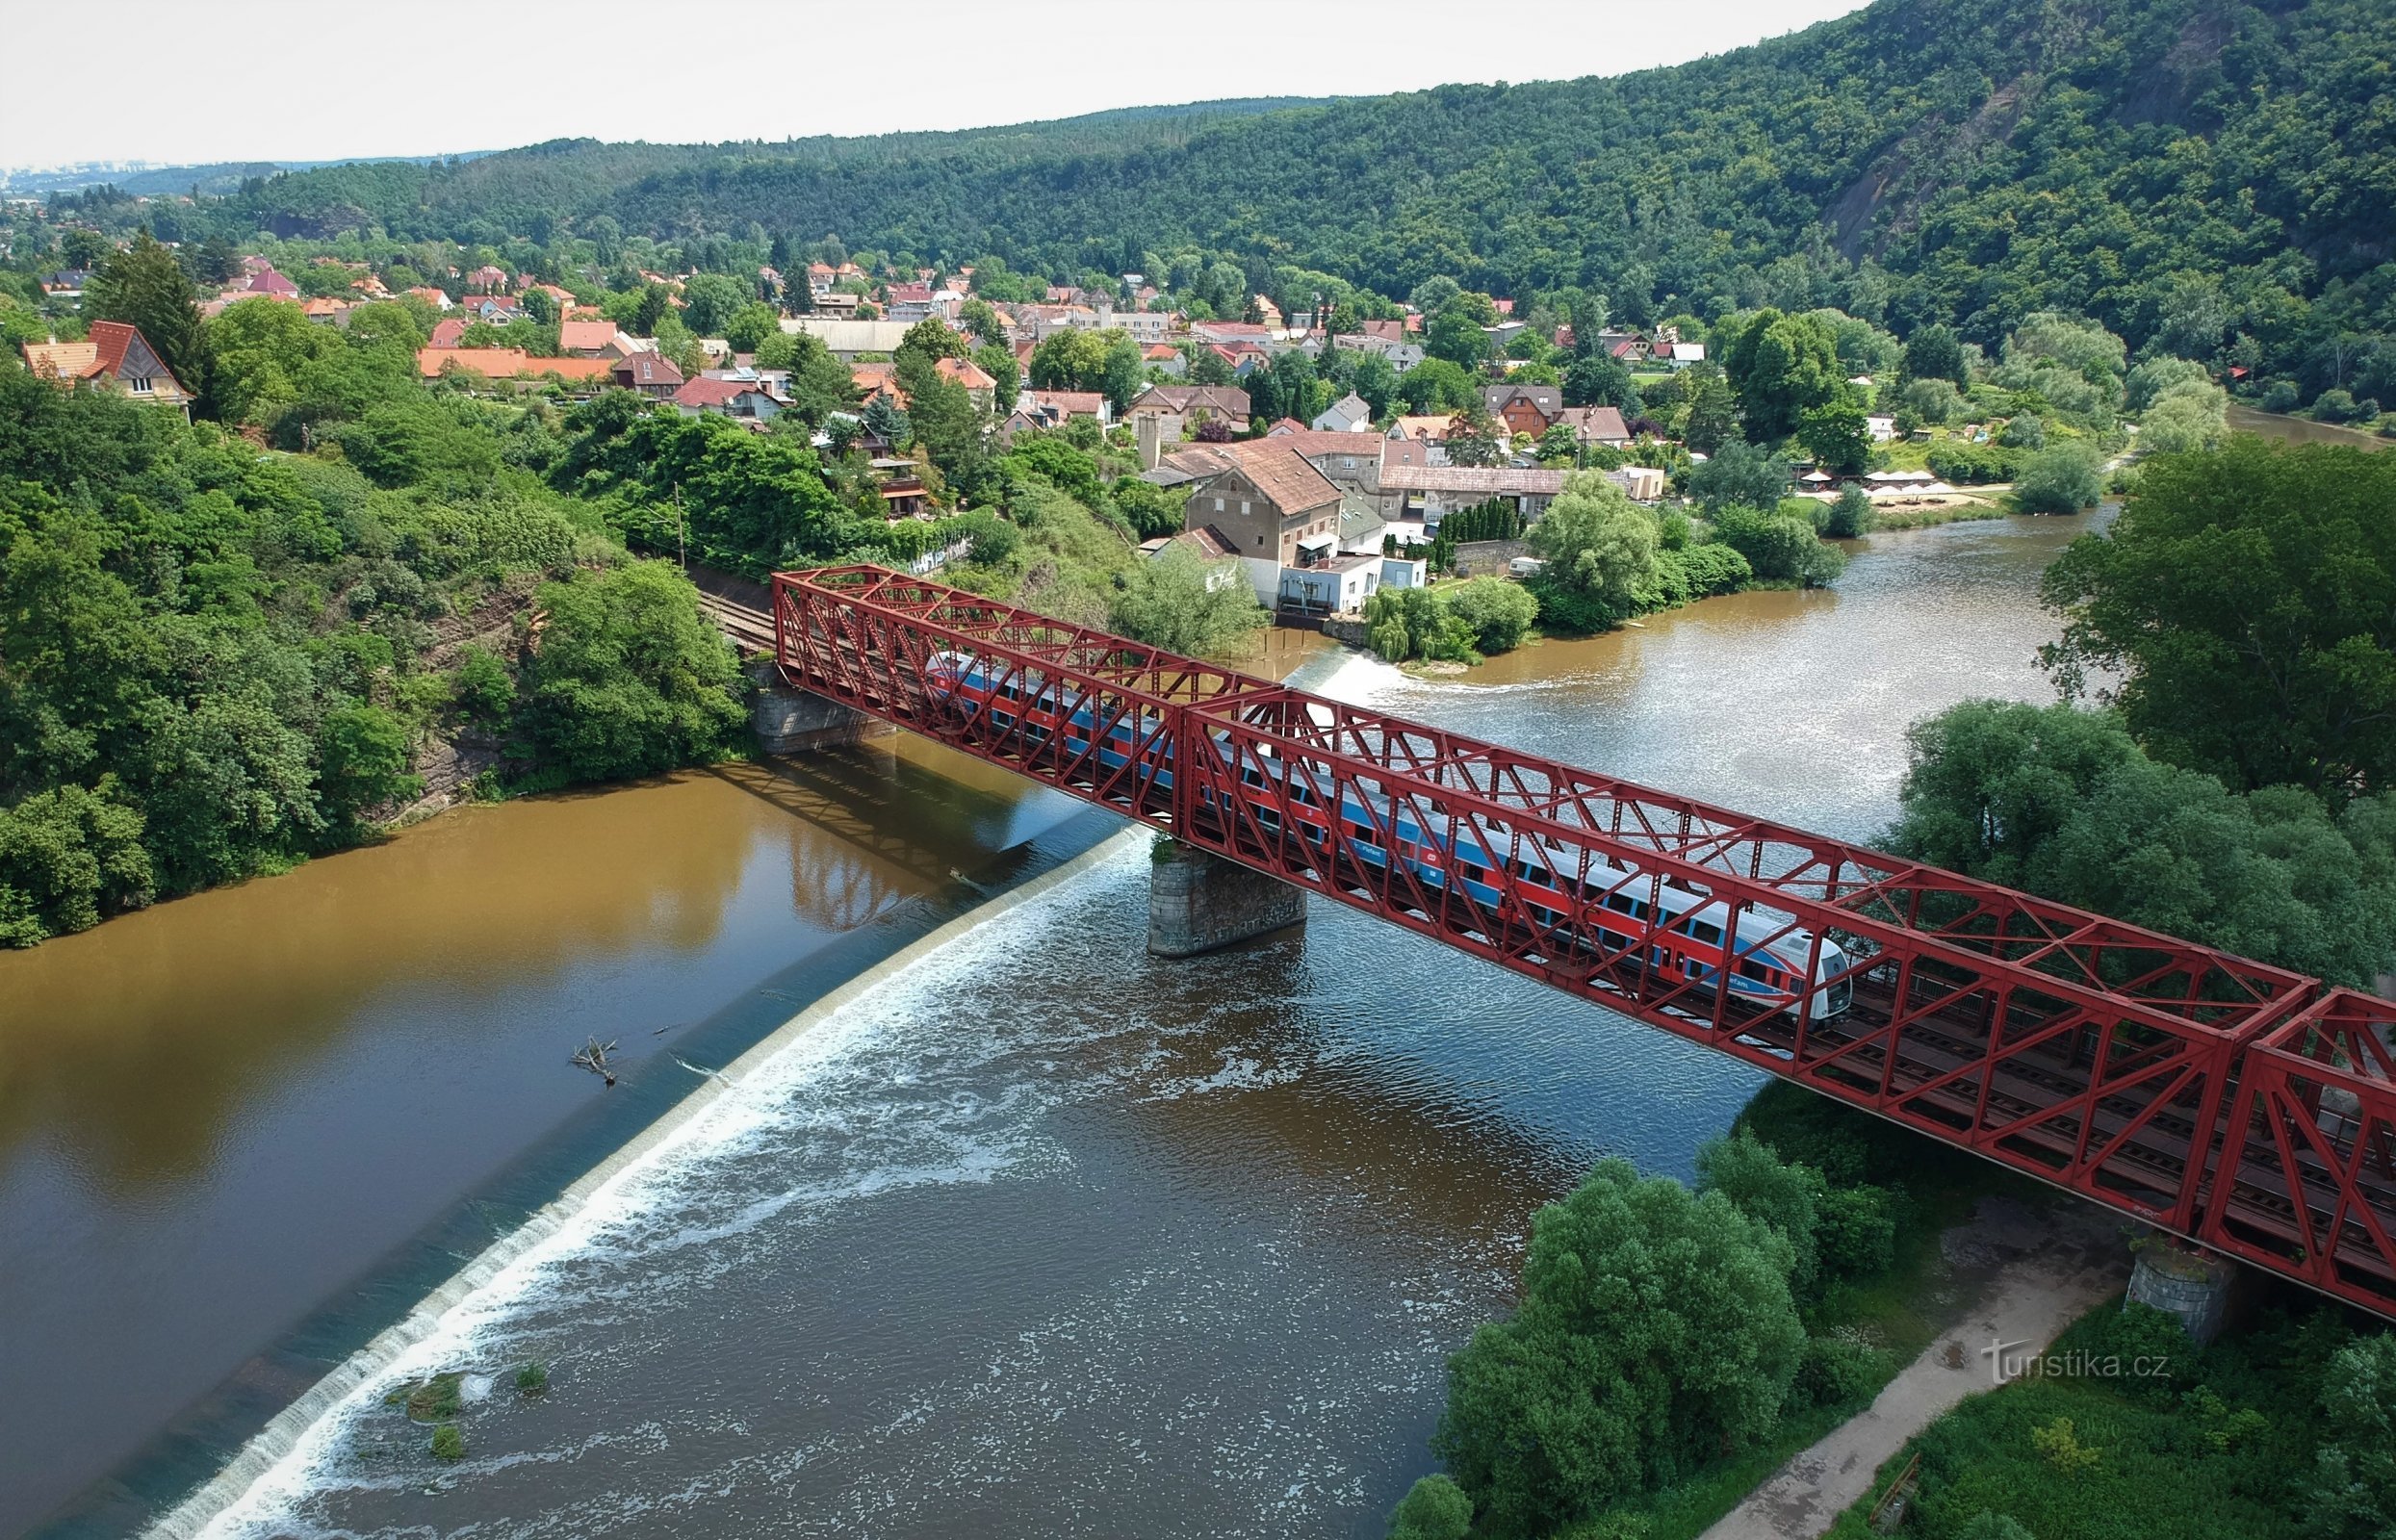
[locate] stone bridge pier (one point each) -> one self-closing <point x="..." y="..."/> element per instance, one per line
<point x="795" y="721"/>
<point x="1200" y="903"/>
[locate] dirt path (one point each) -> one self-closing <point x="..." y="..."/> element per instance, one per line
<point x="2035" y="1272"/>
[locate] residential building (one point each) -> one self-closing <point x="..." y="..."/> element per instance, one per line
<point x="1348" y="413"/>
<point x="846" y="338"/>
<point x="745" y="399"/>
<point x="487" y="280"/>
<point x="1181" y="408"/>
<point x="114" y="356"/>
<point x="1598" y="424"/>
<point x="445" y="332"/>
<point x="1416" y="441"/>
<point x="1165" y="358"/>
<point x="1435" y="491"/>
<point x="1685" y="354"/>
<point x="1526" y="409"/>
<point x="1277" y="510"/>
<point x="586" y="339"/>
<point x="1053" y="407"/>
<point x="650" y="373"/>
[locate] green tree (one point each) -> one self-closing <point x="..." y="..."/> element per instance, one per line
<point x="1934" y="352"/>
<point x="1710" y="424"/>
<point x="1837" y="435"/>
<point x="747" y="328"/>
<point x="1069" y="361"/>
<point x="711" y="300"/>
<point x="1598" y="548"/>
<point x="1433" y="1509"/>
<point x="943" y="417"/>
<point x="629" y="679"/>
<point x="2190" y="416"/>
<point x="260" y="351"/>
<point x="2352" y="1492"/>
<point x="2247" y="600"/>
<point x="1437" y="386"/>
<point x="1782" y="366"/>
<point x="143" y="284"/>
<point x="1739" y="475"/>
<point x="997" y="361"/>
<point x="1498" y="612"/>
<point x="1657" y="1332"/>
<point x="2060" y="802"/>
<point x="362" y="756"/>
<point x="1780" y="547"/>
<point x="1850" y="516"/>
<point x="1185" y="603"/>
<point x="1771" y="1191"/>
<point x="2065" y="478"/>
<point x="70" y="857"/>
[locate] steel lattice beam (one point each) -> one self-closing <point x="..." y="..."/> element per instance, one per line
<point x="2089" y="1053"/>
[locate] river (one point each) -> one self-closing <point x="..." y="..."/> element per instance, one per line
<point x="2300" y="430"/>
<point x="1036" y="1236"/>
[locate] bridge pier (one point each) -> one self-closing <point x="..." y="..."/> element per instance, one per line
<point x="795" y="721"/>
<point x="1201" y="903"/>
<point x="2194" y="1287"/>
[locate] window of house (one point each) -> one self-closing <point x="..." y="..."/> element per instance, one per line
<point x="1218" y="504"/>
<point x="141" y="385"/>
<point x="1244" y="508"/>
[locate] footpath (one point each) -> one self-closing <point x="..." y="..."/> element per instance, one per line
<point x="2036" y="1271"/>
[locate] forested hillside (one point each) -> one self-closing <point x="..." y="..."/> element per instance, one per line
<point x="2163" y="165"/>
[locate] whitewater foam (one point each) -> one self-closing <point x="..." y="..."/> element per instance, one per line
<point x="718" y="1117"/>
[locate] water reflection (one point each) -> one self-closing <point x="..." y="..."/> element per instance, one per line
<point x="216" y="1114"/>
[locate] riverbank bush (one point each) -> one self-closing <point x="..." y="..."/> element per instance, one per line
<point x="626" y="678"/>
<point x="1185" y="603"/>
<point x="2061" y="802"/>
<point x="2248" y="1439"/>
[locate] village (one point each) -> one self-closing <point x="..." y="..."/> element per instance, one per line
<point x="1321" y="511"/>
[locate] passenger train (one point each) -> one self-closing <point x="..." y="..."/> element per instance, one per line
<point x="1768" y="959"/>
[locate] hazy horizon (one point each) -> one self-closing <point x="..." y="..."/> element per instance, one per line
<point x="1052" y="63"/>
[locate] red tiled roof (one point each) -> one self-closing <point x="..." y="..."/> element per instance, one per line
<point x="492" y="363"/>
<point x="578" y="336"/>
<point x="648" y="369"/>
<point x="446" y="333"/>
<point x="110" y="339"/>
<point x="1280" y="473"/>
<point x="1067" y="404"/>
<point x="704" y="392"/>
<point x="270" y="282"/>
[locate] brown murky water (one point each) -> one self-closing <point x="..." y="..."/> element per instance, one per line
<point x="218" y="1112"/>
<point x="1040" y="1237"/>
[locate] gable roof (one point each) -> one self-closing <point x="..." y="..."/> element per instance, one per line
<point x="1228" y="399"/>
<point x="1546" y="398"/>
<point x="704" y="392"/>
<point x="1312" y="442"/>
<point x="648" y="369"/>
<point x="1275" y="469"/>
<point x="1600" y="423"/>
<point x="62" y="360"/>
<point x="1067" y="404"/>
<point x="445" y="332"/>
<point x="1471" y="478"/>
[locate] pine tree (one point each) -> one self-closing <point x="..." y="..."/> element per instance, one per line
<point x="145" y="285"/>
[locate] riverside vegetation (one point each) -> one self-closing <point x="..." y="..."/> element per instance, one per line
<point x="222" y="659"/>
<point x="2233" y="786"/>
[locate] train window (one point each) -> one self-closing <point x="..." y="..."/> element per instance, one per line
<point x="1704" y="932"/>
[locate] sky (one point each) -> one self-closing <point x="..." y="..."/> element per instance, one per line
<point x="277" y="80"/>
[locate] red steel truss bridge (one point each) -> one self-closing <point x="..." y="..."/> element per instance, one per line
<point x="2239" y="1106"/>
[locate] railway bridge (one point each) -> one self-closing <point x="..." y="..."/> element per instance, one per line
<point x="2243" y="1108"/>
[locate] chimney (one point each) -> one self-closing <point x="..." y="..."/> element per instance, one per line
<point x="1149" y="431"/>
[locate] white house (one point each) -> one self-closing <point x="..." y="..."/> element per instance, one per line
<point x="1350" y="413"/>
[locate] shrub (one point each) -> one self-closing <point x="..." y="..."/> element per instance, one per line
<point x="484" y="689"/>
<point x="447" y="1443"/>
<point x="1433" y="1509"/>
<point x="532" y="1378"/>
<point x="2279" y="396"/>
<point x="1850" y="516"/>
<point x="1833" y="1371"/>
<point x="1498" y="612"/>
<point x="1855" y="1231"/>
<point x="1656" y="1333"/>
<point x="2063" y="480"/>
<point x="2058" y="1443"/>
